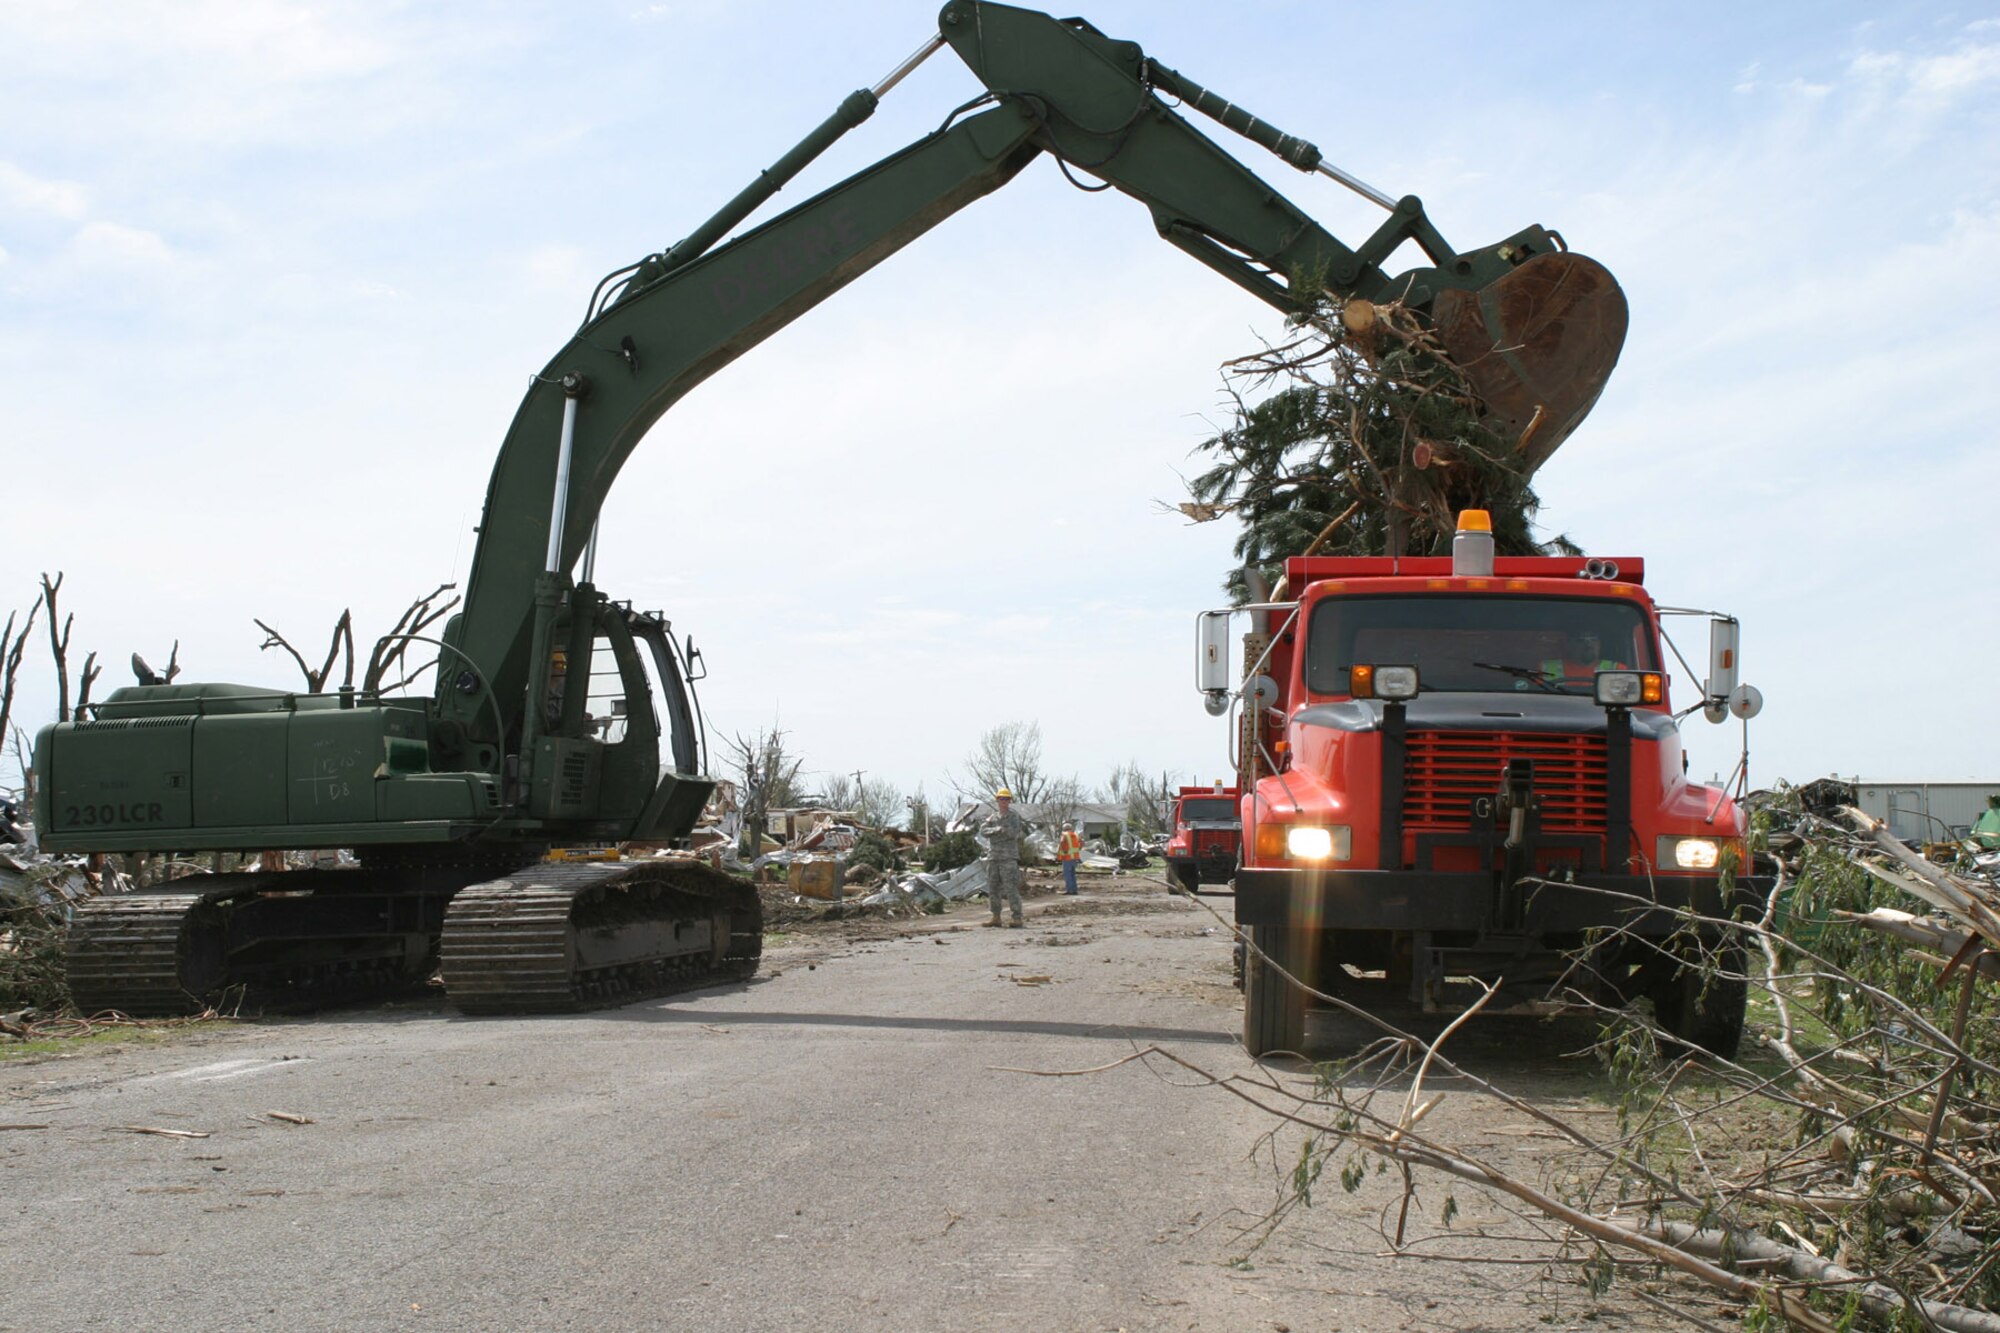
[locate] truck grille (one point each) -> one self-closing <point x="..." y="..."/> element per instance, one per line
<point x="1447" y="769"/>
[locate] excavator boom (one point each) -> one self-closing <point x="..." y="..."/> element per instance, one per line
<point x="1537" y="329"/>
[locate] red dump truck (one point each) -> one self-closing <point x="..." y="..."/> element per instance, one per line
<point x="1467" y="767"/>
<point x="1208" y="834"/>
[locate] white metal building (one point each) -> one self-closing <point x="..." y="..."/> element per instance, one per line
<point x="1925" y="811"/>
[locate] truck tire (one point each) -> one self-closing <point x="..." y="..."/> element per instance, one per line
<point x="1274" y="1010"/>
<point x="1186" y="875"/>
<point x="1705" y="1012"/>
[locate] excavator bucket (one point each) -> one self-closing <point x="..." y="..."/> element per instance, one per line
<point x="1538" y="345"/>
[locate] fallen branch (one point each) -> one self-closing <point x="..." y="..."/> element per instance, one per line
<point x="1877" y="1298"/>
<point x="1929" y="932"/>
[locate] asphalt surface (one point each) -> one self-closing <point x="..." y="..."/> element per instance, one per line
<point x="846" y="1142"/>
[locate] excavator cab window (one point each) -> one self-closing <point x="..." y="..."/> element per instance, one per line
<point x="678" y="711"/>
<point x="607" y="707"/>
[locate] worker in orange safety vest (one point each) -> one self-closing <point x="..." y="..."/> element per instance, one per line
<point x="1069" y="851"/>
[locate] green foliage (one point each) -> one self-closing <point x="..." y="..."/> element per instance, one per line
<point x="873" y="849"/>
<point x="952" y="851"/>
<point x="1599" y="1270"/>
<point x="1305" y="1173"/>
<point x="1830" y="884"/>
<point x="31" y="967"/>
<point x="1381" y="422"/>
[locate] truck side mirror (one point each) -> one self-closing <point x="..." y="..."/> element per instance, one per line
<point x="1212" y="674"/>
<point x="1724" y="640"/>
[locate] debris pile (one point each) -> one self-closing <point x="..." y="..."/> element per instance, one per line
<point x="36" y="895"/>
<point x="1842" y="1173"/>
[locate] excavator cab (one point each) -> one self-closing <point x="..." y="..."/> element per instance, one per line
<point x="621" y="748"/>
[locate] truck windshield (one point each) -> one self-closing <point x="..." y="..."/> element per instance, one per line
<point x="1209" y="809"/>
<point x="1543" y="644"/>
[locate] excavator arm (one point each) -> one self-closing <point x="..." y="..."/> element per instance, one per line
<point x="1539" y="329"/>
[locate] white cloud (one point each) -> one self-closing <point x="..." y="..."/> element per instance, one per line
<point x="203" y="76"/>
<point x="60" y="199"/>
<point x="683" y="12"/>
<point x="318" y="293"/>
<point x="1930" y="83"/>
<point x="271" y="41"/>
<point x="111" y="245"/>
<point x="559" y="269"/>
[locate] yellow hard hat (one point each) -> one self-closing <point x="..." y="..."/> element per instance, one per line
<point x="1003" y="795"/>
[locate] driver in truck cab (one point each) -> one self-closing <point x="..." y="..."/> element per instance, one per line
<point x="1582" y="658"/>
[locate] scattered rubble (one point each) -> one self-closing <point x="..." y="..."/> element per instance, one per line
<point x="1842" y="1173"/>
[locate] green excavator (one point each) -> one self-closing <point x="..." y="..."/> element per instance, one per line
<point x="562" y="717"/>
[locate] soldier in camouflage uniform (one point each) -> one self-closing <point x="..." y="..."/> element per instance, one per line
<point x="1003" y="833"/>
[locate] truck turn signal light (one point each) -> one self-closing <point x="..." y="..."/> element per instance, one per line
<point x="1367" y="681"/>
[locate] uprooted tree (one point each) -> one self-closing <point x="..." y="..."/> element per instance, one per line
<point x="1367" y="439"/>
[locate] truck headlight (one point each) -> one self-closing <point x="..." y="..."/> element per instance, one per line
<point x="1627" y="689"/>
<point x="1396" y="682"/>
<point x="1697" y="853"/>
<point x="1312" y="842"/>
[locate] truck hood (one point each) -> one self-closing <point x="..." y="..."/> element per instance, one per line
<point x="1495" y="711"/>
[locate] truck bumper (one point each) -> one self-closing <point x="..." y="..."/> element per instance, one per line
<point x="1207" y="869"/>
<point x="1431" y="901"/>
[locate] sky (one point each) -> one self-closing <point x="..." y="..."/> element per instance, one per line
<point x="273" y="278"/>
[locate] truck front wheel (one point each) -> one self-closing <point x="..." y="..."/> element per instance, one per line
<point x="1703" y="1008"/>
<point x="1274" y="1009"/>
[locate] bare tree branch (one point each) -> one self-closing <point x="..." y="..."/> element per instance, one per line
<point x="392" y="647"/>
<point x="58" y="643"/>
<point x="343" y="634"/>
<point x="12" y="645"/>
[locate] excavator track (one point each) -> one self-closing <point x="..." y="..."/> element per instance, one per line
<point x="291" y="940"/>
<point x="564" y="937"/>
<point x="144" y="953"/>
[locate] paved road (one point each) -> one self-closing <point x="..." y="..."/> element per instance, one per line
<point x="840" y="1144"/>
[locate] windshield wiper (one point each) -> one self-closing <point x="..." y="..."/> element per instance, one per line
<point x="1529" y="674"/>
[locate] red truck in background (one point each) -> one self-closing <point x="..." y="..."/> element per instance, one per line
<point x="1468" y="767"/>
<point x="1207" y="837"/>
